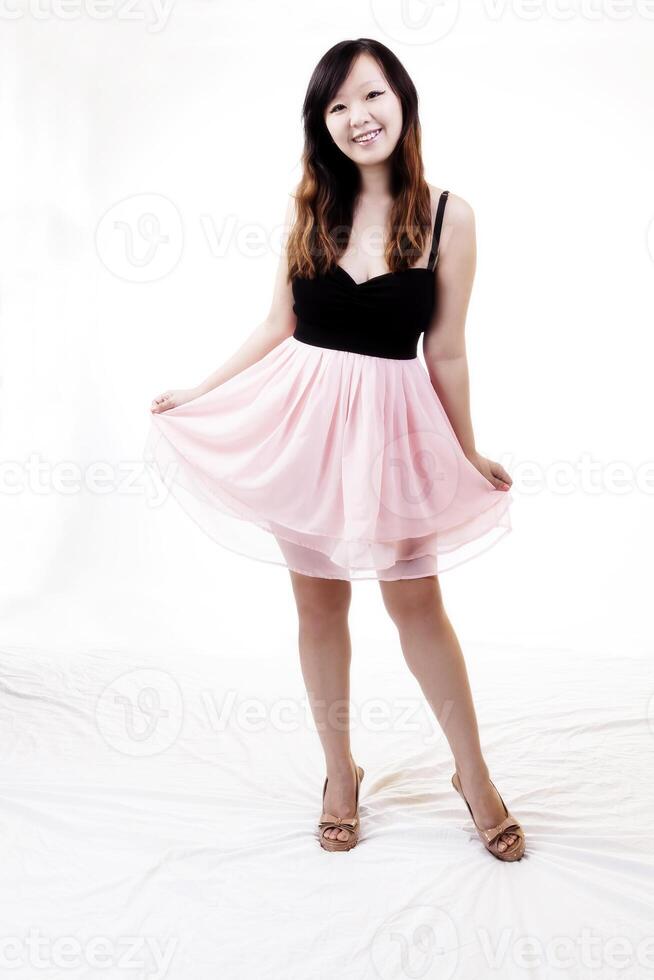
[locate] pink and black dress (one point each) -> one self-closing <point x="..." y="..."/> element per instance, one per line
<point x="332" y="455"/>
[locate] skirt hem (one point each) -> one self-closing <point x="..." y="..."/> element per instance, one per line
<point x="357" y="573"/>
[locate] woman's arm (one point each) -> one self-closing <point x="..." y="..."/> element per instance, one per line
<point x="444" y="346"/>
<point x="279" y="323"/>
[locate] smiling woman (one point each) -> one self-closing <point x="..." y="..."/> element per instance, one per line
<point x="324" y="446"/>
<point x="333" y="454"/>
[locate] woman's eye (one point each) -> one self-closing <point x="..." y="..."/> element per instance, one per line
<point x="339" y="104"/>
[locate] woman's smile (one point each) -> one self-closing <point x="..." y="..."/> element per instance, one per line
<point x="370" y="137"/>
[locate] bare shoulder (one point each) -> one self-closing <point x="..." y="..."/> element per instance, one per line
<point x="458" y="242"/>
<point x="458" y="211"/>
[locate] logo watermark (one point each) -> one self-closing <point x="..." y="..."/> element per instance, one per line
<point x="154" y="14"/>
<point x="418" y="476"/>
<point x="419" y="941"/>
<point x="146" y="954"/>
<point x="141" y="712"/>
<point x="141" y="238"/>
<point x="429" y="21"/>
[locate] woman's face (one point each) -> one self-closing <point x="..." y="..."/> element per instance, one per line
<point x="365" y="103"/>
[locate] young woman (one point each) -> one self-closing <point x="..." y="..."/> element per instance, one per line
<point x="324" y="445"/>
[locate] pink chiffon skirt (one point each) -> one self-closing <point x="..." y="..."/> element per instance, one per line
<point x="330" y="463"/>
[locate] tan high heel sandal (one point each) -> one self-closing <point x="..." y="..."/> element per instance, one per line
<point x="490" y="837"/>
<point x="349" y="824"/>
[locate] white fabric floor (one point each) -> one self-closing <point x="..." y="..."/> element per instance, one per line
<point x="152" y="826"/>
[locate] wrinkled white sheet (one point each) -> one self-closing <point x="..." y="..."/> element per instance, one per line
<point x="158" y="819"/>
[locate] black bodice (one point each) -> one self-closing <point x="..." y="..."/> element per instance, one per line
<point x="382" y="316"/>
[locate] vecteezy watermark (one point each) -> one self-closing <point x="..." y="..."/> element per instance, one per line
<point x="253" y="715"/>
<point x="428" y="21"/>
<point x="587" y="950"/>
<point x="140" y="239"/>
<point x="417" y="473"/>
<point x="68" y="477"/>
<point x="141" y="712"/>
<point x="415" y="21"/>
<point x="422" y="941"/>
<point x="419" y="941"/>
<point x="591" y="10"/>
<point x="143" y="956"/>
<point x="154" y="13"/>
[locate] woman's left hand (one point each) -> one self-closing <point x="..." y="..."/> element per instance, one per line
<point x="492" y="471"/>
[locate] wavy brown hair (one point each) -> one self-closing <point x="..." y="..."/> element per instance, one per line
<point x="330" y="182"/>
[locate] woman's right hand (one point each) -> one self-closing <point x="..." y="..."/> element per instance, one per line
<point x="172" y="398"/>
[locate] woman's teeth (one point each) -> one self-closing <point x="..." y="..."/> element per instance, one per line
<point x="368" y="138"/>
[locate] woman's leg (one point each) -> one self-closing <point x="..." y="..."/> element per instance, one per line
<point x="325" y="655"/>
<point x="434" y="657"/>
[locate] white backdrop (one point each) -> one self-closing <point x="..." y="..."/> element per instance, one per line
<point x="541" y="124"/>
<point x="147" y="154"/>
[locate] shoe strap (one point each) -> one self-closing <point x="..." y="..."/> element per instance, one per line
<point x="330" y="820"/>
<point x="491" y="833"/>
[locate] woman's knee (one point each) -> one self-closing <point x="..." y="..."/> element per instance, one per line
<point x="319" y="600"/>
<point x="409" y="599"/>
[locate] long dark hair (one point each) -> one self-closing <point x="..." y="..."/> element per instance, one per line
<point x="327" y="191"/>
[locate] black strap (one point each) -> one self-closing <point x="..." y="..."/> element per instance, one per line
<point x="436" y="237"/>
